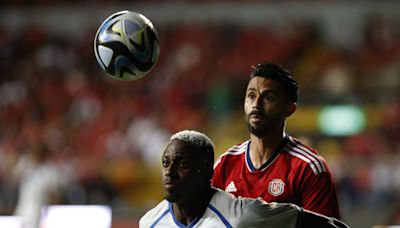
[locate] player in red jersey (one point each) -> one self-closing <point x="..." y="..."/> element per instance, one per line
<point x="272" y="164"/>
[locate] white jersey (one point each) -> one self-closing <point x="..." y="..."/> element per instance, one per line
<point x="224" y="210"/>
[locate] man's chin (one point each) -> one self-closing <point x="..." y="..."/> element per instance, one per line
<point x="258" y="131"/>
<point x="170" y="198"/>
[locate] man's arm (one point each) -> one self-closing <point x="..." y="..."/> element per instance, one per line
<point x="311" y="219"/>
<point x="260" y="214"/>
<point x="322" y="200"/>
<point x="284" y="215"/>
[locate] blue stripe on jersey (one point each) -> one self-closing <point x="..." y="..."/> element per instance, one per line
<point x="247" y="157"/>
<point x="223" y="219"/>
<point x="163" y="214"/>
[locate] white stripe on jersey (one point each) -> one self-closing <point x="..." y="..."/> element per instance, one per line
<point x="234" y="150"/>
<point x="239" y="146"/>
<point x="305" y="159"/>
<point x="319" y="159"/>
<point x="310" y="158"/>
<point x="315" y="161"/>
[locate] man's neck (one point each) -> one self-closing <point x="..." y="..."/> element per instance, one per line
<point x="261" y="149"/>
<point x="187" y="212"/>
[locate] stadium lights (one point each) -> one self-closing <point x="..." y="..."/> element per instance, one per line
<point x="341" y="120"/>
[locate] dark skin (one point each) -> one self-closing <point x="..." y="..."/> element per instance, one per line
<point x="266" y="108"/>
<point x="186" y="174"/>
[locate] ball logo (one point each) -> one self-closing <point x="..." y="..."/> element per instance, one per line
<point x="276" y="187"/>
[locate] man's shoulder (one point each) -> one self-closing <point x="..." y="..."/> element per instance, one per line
<point x="306" y="156"/>
<point x="226" y="200"/>
<point x="237" y="149"/>
<point x="228" y="206"/>
<point x="297" y="143"/>
<point x="154" y="214"/>
<point x="234" y="152"/>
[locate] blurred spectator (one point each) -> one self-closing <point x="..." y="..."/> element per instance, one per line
<point x="41" y="181"/>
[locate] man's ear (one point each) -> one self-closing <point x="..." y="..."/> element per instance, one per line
<point x="292" y="106"/>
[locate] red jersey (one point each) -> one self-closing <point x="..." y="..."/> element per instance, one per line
<point x="295" y="174"/>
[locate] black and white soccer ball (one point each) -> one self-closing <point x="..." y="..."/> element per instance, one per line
<point x="126" y="45"/>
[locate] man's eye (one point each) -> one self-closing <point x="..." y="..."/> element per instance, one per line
<point x="165" y="164"/>
<point x="251" y="96"/>
<point x="268" y="98"/>
<point x="183" y="164"/>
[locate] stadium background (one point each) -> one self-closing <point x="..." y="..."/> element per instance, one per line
<point x="109" y="134"/>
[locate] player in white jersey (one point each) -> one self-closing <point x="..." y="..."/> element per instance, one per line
<point x="190" y="201"/>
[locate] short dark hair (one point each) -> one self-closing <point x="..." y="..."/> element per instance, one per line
<point x="276" y="72"/>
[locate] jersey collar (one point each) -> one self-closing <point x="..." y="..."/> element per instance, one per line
<point x="270" y="160"/>
<point x="179" y="224"/>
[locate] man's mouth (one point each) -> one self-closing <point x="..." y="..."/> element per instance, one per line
<point x="256" y="115"/>
<point x="169" y="184"/>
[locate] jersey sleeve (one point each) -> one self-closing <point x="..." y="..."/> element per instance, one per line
<point x="144" y="221"/>
<point x="154" y="215"/>
<point x="311" y="219"/>
<point x="319" y="194"/>
<point x="262" y="214"/>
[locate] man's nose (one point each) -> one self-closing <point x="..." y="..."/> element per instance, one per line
<point x="257" y="102"/>
<point x="170" y="170"/>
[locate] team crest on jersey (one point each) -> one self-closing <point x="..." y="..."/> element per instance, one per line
<point x="276" y="187"/>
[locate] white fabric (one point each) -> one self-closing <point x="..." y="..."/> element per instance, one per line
<point x="224" y="210"/>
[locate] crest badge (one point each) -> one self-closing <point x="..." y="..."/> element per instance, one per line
<point x="276" y="187"/>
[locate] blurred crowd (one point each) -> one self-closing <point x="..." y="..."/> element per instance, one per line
<point x="104" y="137"/>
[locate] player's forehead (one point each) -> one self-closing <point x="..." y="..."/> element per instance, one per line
<point x="258" y="83"/>
<point x="181" y="149"/>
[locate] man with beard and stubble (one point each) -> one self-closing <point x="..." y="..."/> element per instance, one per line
<point x="190" y="201"/>
<point x="272" y="164"/>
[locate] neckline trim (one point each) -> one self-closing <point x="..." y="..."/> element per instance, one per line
<point x="270" y="159"/>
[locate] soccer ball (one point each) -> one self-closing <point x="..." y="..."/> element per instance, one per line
<point x="126" y="45"/>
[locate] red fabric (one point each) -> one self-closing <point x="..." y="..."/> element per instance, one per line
<point x="292" y="179"/>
